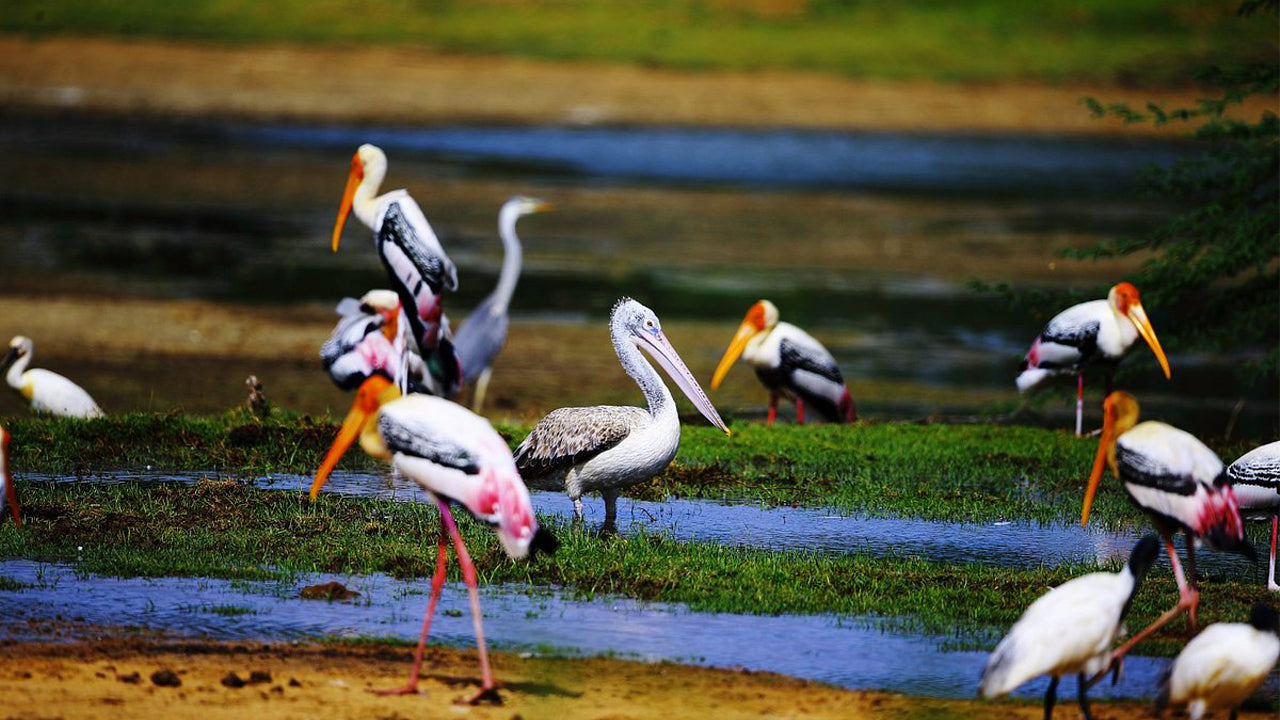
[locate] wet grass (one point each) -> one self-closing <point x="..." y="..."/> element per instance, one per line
<point x="965" y="473"/>
<point x="223" y="529"/>
<point x="964" y="40"/>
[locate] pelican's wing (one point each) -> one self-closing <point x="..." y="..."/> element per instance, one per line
<point x="424" y="435"/>
<point x="569" y="436"/>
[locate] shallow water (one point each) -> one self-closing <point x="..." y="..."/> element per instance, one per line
<point x="851" y="652"/>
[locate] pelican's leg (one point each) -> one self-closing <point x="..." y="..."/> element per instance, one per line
<point x="610" y="512"/>
<point x="437" y="584"/>
<point x="1187" y="599"/>
<point x="487" y="687"/>
<point x="1082" y="685"/>
<point x="477" y="395"/>
<point x="773" y="410"/>
<point x="1079" y="404"/>
<point x="799" y="411"/>
<point x="1271" y="564"/>
<point x="1050" y="697"/>
<point x="577" y="509"/>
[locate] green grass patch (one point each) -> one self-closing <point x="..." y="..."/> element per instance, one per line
<point x="964" y="40"/>
<point x="227" y="530"/>
<point x="964" y="473"/>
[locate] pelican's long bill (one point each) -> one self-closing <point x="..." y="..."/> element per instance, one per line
<point x="655" y="343"/>
<point x="348" y="197"/>
<point x="745" y="332"/>
<point x="1148" y="333"/>
<point x="373" y="393"/>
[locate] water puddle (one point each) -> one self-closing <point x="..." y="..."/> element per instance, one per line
<point x="858" y="652"/>
<point x="1009" y="544"/>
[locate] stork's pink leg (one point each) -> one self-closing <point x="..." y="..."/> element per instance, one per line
<point x="799" y="411"/>
<point x="437" y="584"/>
<point x="1271" y="564"/>
<point x="773" y="410"/>
<point x="487" y="687"/>
<point x="1079" y="404"/>
<point x="1188" y="599"/>
<point x="1191" y="581"/>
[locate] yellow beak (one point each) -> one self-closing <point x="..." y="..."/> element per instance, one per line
<point x="1099" y="462"/>
<point x="362" y="413"/>
<point x="1140" y="321"/>
<point x="745" y="332"/>
<point x="354" y="178"/>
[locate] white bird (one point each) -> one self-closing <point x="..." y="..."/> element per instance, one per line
<point x="1098" y="332"/>
<point x="482" y="335"/>
<point x="1178" y="482"/>
<point x="456" y="457"/>
<point x="789" y="362"/>
<point x="6" y="479"/>
<point x="415" y="261"/>
<point x="1068" y="630"/>
<point x="366" y="340"/>
<point x="607" y="448"/>
<point x="1223" y="665"/>
<point x="47" y="391"/>
<point x="1255" y="478"/>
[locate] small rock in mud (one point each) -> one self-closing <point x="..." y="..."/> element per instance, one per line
<point x="132" y="678"/>
<point x="232" y="680"/>
<point x="166" y="678"/>
<point x="293" y="682"/>
<point x="259" y="676"/>
<point x="328" y="591"/>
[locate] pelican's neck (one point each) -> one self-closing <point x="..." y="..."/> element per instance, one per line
<point x="14" y="374"/>
<point x="512" y="254"/>
<point x="642" y="371"/>
<point x="365" y="201"/>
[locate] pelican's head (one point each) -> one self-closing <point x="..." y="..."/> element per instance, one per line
<point x="361" y="422"/>
<point x="1120" y="414"/>
<point x="1124" y="299"/>
<point x="520" y="205"/>
<point x="368" y="164"/>
<point x="20" y="346"/>
<point x="6" y="478"/>
<point x="761" y="317"/>
<point x="632" y="322"/>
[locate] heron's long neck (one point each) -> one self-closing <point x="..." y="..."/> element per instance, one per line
<point x="364" y="202"/>
<point x="642" y="371"/>
<point x="19" y="366"/>
<point x="512" y="254"/>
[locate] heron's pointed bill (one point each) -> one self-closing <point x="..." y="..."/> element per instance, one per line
<point x="745" y="332"/>
<point x="354" y="179"/>
<point x="7" y="478"/>
<point x="368" y="398"/>
<point x="1140" y="321"/>
<point x="660" y="349"/>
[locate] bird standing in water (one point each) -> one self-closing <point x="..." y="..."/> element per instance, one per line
<point x="1098" y="332"/>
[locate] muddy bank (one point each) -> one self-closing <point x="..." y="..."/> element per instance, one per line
<point x="402" y="85"/>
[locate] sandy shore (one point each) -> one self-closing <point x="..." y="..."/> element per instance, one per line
<point x="404" y="85"/>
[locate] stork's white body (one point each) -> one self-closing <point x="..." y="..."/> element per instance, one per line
<point x="1074" y="338"/>
<point x="47" y="391"/>
<point x="1220" y="668"/>
<point x="1255" y="478"/>
<point x="1171" y="474"/>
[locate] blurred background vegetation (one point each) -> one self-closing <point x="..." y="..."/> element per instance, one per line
<point x="1131" y="42"/>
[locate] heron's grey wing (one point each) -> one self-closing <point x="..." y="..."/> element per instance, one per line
<point x="480" y="339"/>
<point x="569" y="436"/>
<point x="410" y="435"/>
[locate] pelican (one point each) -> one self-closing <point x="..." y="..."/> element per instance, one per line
<point x="412" y="255"/>
<point x="789" y="362"/>
<point x="47" y="391"/>
<point x="1223" y="665"/>
<point x="1178" y="482"/>
<point x="1095" y="332"/>
<point x="456" y="457"/>
<point x="482" y="336"/>
<point x="1255" y="478"/>
<point x="6" y="478"/>
<point x="1068" y="630"/>
<point x="607" y="448"/>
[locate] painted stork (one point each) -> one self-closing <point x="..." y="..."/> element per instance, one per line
<point x="456" y="457"/>
<point x="482" y="335"/>
<point x="607" y="448"/>
<point x="414" y="260"/>
<point x="1223" y="665"/>
<point x="1068" y="630"/>
<point x="46" y="391"/>
<point x="1255" y="478"/>
<point x="1178" y="482"/>
<point x="789" y="362"/>
<point x="366" y="340"/>
<point x="1098" y="332"/>
<point x="6" y="479"/>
